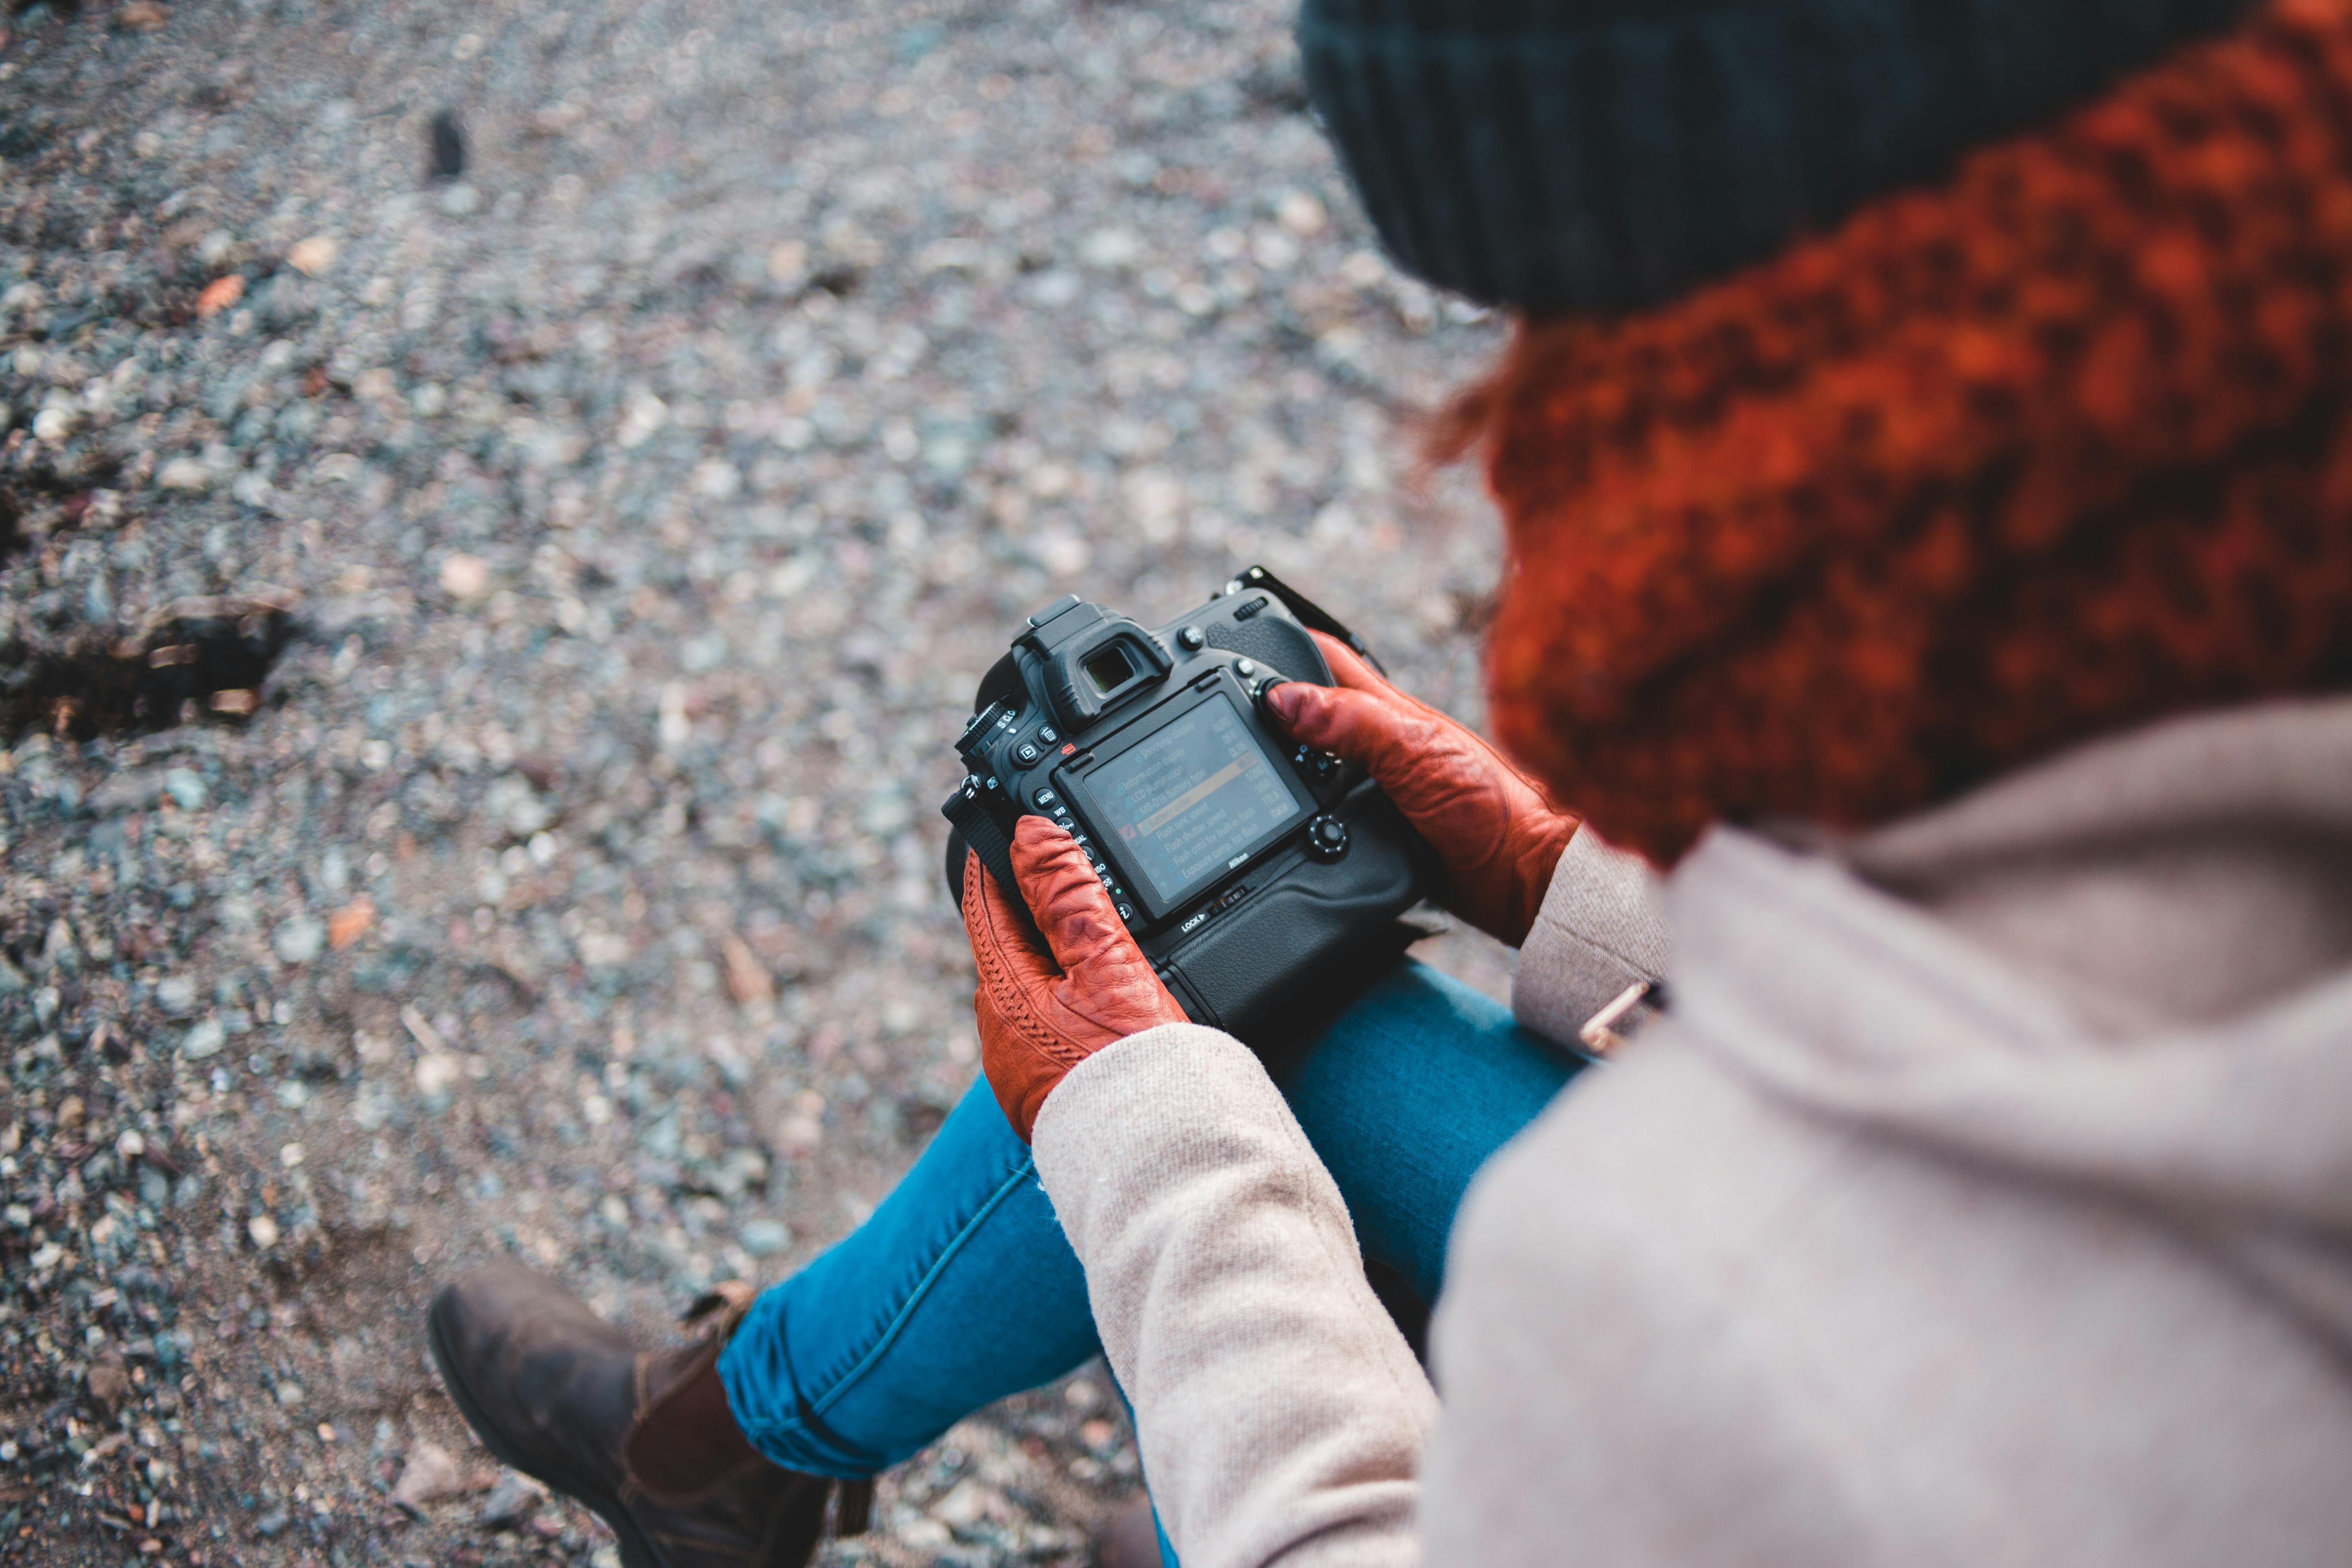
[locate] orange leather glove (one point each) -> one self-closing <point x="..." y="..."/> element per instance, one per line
<point x="1043" y="1012"/>
<point x="1496" y="834"/>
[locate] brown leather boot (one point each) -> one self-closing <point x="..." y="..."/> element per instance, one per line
<point x="644" y="1437"/>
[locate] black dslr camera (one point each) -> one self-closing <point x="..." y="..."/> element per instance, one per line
<point x="1256" y="873"/>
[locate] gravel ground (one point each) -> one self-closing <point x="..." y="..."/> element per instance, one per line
<point x="479" y="657"/>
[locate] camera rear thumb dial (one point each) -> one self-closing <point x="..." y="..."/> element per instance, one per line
<point x="1327" y="838"/>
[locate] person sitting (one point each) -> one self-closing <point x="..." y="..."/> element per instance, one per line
<point x="1960" y="603"/>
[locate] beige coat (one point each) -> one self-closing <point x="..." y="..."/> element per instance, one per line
<point x="1986" y="1198"/>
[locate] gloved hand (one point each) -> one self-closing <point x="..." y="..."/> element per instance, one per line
<point x="1043" y="1012"/>
<point x="1497" y="835"/>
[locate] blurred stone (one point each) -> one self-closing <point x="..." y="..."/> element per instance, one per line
<point x="748" y="980"/>
<point x="510" y="1503"/>
<point x="204" y="1040"/>
<point x="464" y="578"/>
<point x="109" y="1380"/>
<point x="313" y="256"/>
<point x="1301" y="213"/>
<point x="764" y="1238"/>
<point x="300" y="939"/>
<point x="1111" y="249"/>
<point x="219" y="294"/>
<point x="350" y="922"/>
<point x="428" y="1475"/>
<point x="968" y="1503"/>
<point x="135" y="789"/>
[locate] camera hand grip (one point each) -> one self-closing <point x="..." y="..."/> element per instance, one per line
<point x="974" y="828"/>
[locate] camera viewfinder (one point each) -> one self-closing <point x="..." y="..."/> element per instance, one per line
<point x="1108" y="668"/>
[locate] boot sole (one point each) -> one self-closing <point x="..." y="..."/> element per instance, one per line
<point x="637" y="1551"/>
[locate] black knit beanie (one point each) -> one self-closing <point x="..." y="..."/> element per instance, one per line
<point x="1602" y="155"/>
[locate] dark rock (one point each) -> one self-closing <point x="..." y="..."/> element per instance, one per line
<point x="447" y="141"/>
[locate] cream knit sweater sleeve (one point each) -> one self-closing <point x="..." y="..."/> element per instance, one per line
<point x="1280" y="1414"/>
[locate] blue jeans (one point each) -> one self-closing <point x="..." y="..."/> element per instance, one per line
<point x="960" y="1289"/>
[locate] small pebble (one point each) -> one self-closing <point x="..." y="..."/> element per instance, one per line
<point x="204" y="1040"/>
<point x="764" y="1238"/>
<point x="176" y="994"/>
<point x="428" y="1475"/>
<point x="312" y="255"/>
<point x="510" y="1501"/>
<point x="300" y="939"/>
<point x="219" y="294"/>
<point x="465" y="577"/>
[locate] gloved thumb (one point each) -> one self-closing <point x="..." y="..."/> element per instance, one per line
<point x="1356" y="726"/>
<point x="1073" y="908"/>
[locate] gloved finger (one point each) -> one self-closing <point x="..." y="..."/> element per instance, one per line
<point x="1377" y="726"/>
<point x="997" y="932"/>
<point x="1073" y="907"/>
<point x="1348" y="666"/>
<point x="1356" y="726"/>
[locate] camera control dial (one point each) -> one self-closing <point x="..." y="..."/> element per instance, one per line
<point x="1326" y="837"/>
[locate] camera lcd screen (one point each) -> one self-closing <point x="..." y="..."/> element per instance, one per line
<point x="1189" y="799"/>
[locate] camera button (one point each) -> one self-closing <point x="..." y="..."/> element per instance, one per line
<point x="1327" y="838"/>
<point x="1192" y="639"/>
<point x="1026" y="752"/>
<point x="1048" y="735"/>
<point x="1246" y="669"/>
<point x="1047" y="800"/>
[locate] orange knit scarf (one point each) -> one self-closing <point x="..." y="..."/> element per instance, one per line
<point x="2060" y="445"/>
